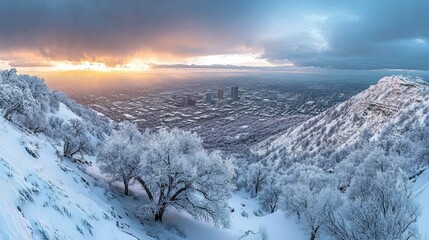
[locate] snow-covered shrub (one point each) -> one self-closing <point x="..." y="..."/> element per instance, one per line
<point x="378" y="206"/>
<point x="98" y="126"/>
<point x="14" y="100"/>
<point x="35" y="122"/>
<point x="54" y="129"/>
<point x="76" y="139"/>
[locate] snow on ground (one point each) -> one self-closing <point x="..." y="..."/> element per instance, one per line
<point x="63" y="201"/>
<point x="421" y="191"/>
<point x="247" y="222"/>
<point x="65" y="113"/>
<point x="244" y="224"/>
<point x="48" y="198"/>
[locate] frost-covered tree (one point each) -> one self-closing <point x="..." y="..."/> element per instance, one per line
<point x="26" y="99"/>
<point x="256" y="178"/>
<point x="39" y="90"/>
<point x="178" y="173"/>
<point x="35" y="122"/>
<point x="55" y="127"/>
<point x="269" y="197"/>
<point x="8" y="75"/>
<point x="120" y="156"/>
<point x="305" y="195"/>
<point x="15" y="100"/>
<point x="76" y="139"/>
<point x="97" y="126"/>
<point x="308" y="205"/>
<point x="54" y="102"/>
<point x="35" y="85"/>
<point x="28" y="102"/>
<point x="379" y="205"/>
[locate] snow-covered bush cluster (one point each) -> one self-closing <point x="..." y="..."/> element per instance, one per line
<point x="347" y="173"/>
<point x="28" y="102"/>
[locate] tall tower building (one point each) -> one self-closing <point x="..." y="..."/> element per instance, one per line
<point x="234" y="93"/>
<point x="220" y="93"/>
<point x="209" y="97"/>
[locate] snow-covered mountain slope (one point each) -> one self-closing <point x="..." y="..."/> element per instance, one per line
<point x="44" y="197"/>
<point x="390" y="118"/>
<point x="367" y="113"/>
<point x="421" y="192"/>
<point x="246" y="223"/>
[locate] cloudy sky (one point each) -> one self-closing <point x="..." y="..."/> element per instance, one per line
<point x="139" y="35"/>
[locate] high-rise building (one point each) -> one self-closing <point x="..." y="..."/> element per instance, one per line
<point x="220" y="93"/>
<point x="209" y="97"/>
<point x="191" y="100"/>
<point x="234" y="93"/>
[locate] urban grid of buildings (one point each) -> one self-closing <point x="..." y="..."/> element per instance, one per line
<point x="181" y="108"/>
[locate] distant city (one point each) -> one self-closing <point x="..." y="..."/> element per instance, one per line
<point x="211" y="98"/>
<point x="231" y="105"/>
<point x="153" y="109"/>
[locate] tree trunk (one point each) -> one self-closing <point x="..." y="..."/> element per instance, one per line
<point x="160" y="213"/>
<point x="10" y="111"/>
<point x="314" y="233"/>
<point x="257" y="185"/>
<point x="8" y="114"/>
<point x="146" y="188"/>
<point x="65" y="149"/>
<point x="273" y="208"/>
<point x="126" y="187"/>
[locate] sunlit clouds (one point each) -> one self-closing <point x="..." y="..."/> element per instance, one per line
<point x="97" y="66"/>
<point x="247" y="59"/>
<point x="139" y="36"/>
<point x="143" y="63"/>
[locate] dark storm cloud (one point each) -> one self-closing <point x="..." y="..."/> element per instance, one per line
<point x="77" y="29"/>
<point x="360" y="35"/>
<point x="336" y="34"/>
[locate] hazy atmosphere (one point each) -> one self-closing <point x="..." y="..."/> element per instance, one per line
<point x="214" y="120"/>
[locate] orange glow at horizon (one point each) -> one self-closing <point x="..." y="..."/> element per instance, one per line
<point x="133" y="66"/>
<point x="135" y="63"/>
<point x="85" y="75"/>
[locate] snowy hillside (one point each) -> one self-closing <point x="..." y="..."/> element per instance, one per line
<point x="376" y="140"/>
<point x="67" y="173"/>
<point x="367" y="113"/>
<point x="45" y="197"/>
